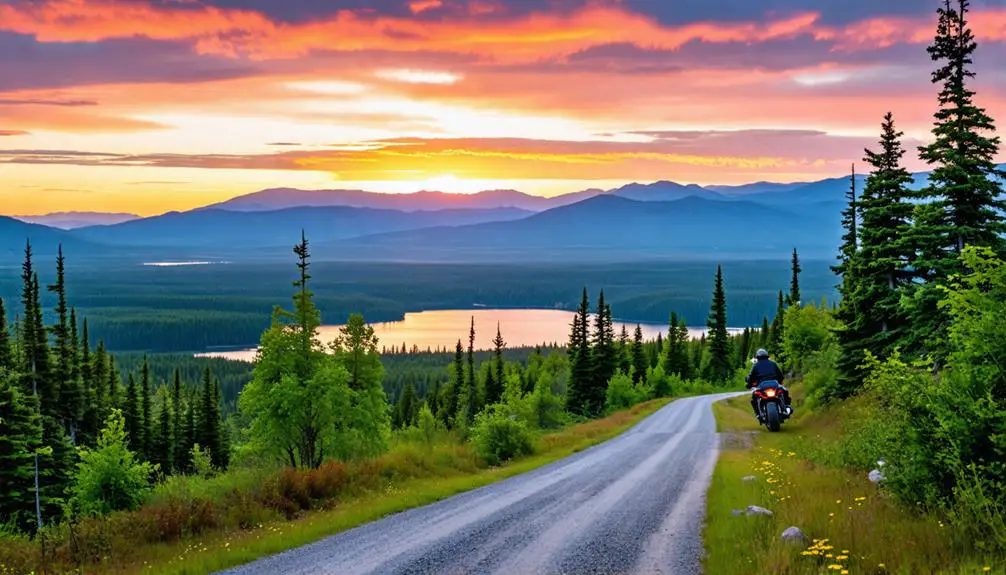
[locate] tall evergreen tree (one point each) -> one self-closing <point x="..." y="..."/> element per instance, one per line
<point x="965" y="190"/>
<point x="223" y="445"/>
<point x="456" y="387"/>
<point x="191" y="429"/>
<point x="179" y="457"/>
<point x="656" y="352"/>
<point x="778" y="330"/>
<point x="850" y="238"/>
<point x="208" y="417"/>
<point x="472" y="382"/>
<point x="146" y="411"/>
<point x="580" y="368"/>
<point x="494" y="394"/>
<point x="20" y="438"/>
<point x="794" y="282"/>
<point x="133" y="415"/>
<point x="408" y="406"/>
<point x="624" y="351"/>
<point x="719" y="367"/>
<point x="114" y="382"/>
<point x="6" y="349"/>
<point x="765" y="334"/>
<point x="639" y="361"/>
<point x="676" y="360"/>
<point x="603" y="358"/>
<point x="885" y="246"/>
<point x="162" y="452"/>
<point x="70" y="401"/>
<point x="34" y="341"/>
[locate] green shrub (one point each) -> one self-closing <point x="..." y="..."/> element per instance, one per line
<point x="499" y="435"/>
<point x="622" y="393"/>
<point x="548" y="409"/>
<point x="108" y="477"/>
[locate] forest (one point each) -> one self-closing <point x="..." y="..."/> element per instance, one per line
<point x="98" y="453"/>
<point x="194" y="308"/>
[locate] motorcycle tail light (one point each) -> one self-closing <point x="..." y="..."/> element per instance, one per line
<point x="770" y="392"/>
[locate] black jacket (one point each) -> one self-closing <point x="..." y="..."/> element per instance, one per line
<point x="764" y="370"/>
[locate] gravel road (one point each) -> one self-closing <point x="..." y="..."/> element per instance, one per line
<point x="634" y="504"/>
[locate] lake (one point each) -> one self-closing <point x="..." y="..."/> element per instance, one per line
<point x="443" y="328"/>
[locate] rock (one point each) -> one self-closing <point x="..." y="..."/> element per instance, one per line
<point x="749" y="478"/>
<point x="755" y="510"/>
<point x="876" y="476"/>
<point x="793" y="534"/>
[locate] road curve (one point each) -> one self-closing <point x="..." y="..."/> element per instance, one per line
<point x="634" y="504"/>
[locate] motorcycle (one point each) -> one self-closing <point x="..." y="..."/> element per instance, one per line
<point x="771" y="400"/>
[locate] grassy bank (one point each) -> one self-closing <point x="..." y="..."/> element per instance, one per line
<point x="852" y="526"/>
<point x="247" y="514"/>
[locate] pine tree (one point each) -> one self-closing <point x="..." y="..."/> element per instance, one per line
<point x="179" y="456"/>
<point x="114" y="382"/>
<point x="70" y="401"/>
<point x="470" y="397"/>
<point x="676" y="360"/>
<point x="656" y="352"/>
<point x="495" y="393"/>
<point x="603" y="357"/>
<point x="34" y="342"/>
<point x="719" y="368"/>
<point x="778" y="330"/>
<point x="191" y="430"/>
<point x="794" y="283"/>
<point x="407" y="407"/>
<point x="580" y="369"/>
<point x="146" y="416"/>
<point x="457" y="386"/>
<point x="639" y="361"/>
<point x="850" y="239"/>
<point x="6" y="349"/>
<point x="133" y="416"/>
<point x="765" y="334"/>
<point x="20" y="437"/>
<point x="965" y="191"/>
<point x="161" y="446"/>
<point x="624" y="351"/>
<point x="848" y="310"/>
<point x="885" y="246"/>
<point x="208" y="418"/>
<point x="745" y="348"/>
<point x="223" y="455"/>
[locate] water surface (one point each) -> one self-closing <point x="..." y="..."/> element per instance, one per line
<point x="443" y="328"/>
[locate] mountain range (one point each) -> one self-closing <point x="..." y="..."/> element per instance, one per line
<point x="662" y="219"/>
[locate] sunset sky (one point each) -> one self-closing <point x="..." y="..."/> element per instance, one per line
<point x="154" y="105"/>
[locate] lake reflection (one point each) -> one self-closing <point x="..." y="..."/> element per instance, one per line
<point x="442" y="329"/>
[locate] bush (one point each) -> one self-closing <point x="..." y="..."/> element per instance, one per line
<point x="108" y="477"/>
<point x="658" y="383"/>
<point x="498" y="435"/>
<point x="622" y="393"/>
<point x="548" y="410"/>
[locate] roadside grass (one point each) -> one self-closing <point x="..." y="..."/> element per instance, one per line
<point x="409" y="476"/>
<point x="852" y="526"/>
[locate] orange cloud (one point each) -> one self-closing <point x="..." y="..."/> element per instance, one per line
<point x="233" y="32"/>
<point x="13" y="133"/>
<point x="417" y="6"/>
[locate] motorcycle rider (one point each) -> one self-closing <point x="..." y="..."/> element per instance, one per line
<point x="764" y="369"/>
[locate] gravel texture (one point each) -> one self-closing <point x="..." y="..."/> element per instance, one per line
<point x="634" y="504"/>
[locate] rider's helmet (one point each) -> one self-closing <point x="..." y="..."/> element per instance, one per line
<point x="761" y="354"/>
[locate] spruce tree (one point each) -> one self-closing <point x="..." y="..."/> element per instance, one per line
<point x="408" y="406"/>
<point x="604" y="360"/>
<point x="6" y="349"/>
<point x="114" y="382"/>
<point x="886" y="250"/>
<point x="191" y="430"/>
<point x="70" y="401"/>
<point x="133" y="416"/>
<point x="794" y="282"/>
<point x="624" y="351"/>
<point x="208" y="418"/>
<point x="639" y="361"/>
<point x="494" y="394"/>
<point x="456" y="387"/>
<point x="472" y="382"/>
<point x="765" y="334"/>
<point x="655" y="352"/>
<point x="848" y="310"/>
<point x="20" y="438"/>
<point x="222" y="440"/>
<point x="676" y="360"/>
<point x="777" y="332"/>
<point x="719" y="367"/>
<point x="162" y="444"/>
<point x="580" y="369"/>
<point x="965" y="191"/>
<point x="146" y="415"/>
<point x="179" y="457"/>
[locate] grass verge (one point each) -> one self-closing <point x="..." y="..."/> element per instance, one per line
<point x="427" y="482"/>
<point x="852" y="526"/>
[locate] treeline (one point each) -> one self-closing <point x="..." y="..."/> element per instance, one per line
<point x="920" y="328"/>
<point x="58" y="395"/>
<point x="598" y="371"/>
<point x="190" y="309"/>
